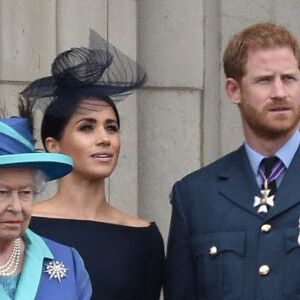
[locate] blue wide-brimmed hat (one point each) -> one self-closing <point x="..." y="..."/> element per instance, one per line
<point x="17" y="151"/>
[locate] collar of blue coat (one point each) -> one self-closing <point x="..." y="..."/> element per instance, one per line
<point x="36" y="251"/>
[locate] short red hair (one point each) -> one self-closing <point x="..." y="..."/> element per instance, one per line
<point x="257" y="36"/>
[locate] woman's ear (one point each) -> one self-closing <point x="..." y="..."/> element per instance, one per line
<point x="233" y="90"/>
<point x="52" y="145"/>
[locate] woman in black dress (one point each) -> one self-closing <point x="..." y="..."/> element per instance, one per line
<point x="124" y="255"/>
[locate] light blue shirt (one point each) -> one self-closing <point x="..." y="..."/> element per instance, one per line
<point x="285" y="154"/>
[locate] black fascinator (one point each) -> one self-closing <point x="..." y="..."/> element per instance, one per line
<point x="100" y="71"/>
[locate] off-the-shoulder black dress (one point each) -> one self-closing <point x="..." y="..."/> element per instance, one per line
<point x="123" y="262"/>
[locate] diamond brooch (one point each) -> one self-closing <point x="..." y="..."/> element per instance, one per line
<point x="56" y="270"/>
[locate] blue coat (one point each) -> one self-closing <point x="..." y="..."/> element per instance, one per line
<point x="219" y="246"/>
<point x="36" y="284"/>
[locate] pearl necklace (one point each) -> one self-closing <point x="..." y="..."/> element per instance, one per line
<point x="13" y="261"/>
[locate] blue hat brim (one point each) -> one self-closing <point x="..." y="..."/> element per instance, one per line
<point x="53" y="165"/>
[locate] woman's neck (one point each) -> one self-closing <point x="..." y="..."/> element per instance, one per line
<point x="75" y="199"/>
<point x="5" y="249"/>
<point x="82" y="191"/>
<point x="12" y="253"/>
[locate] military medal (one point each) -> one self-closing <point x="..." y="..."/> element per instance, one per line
<point x="266" y="201"/>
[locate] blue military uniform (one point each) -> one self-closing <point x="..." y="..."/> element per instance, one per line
<point x="219" y="246"/>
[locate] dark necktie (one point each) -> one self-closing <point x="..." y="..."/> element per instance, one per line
<point x="269" y="164"/>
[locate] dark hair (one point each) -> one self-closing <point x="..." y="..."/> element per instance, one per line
<point x="58" y="114"/>
<point x="101" y="73"/>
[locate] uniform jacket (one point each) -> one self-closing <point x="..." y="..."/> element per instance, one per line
<point x="219" y="246"/>
<point x="36" y="284"/>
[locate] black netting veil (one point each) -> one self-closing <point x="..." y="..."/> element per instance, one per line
<point x="99" y="71"/>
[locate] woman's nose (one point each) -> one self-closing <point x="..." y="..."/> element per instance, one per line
<point x="15" y="203"/>
<point x="103" y="138"/>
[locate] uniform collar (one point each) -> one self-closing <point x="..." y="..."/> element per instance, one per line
<point x="285" y="153"/>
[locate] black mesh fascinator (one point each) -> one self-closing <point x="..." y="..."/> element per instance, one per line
<point x="100" y="71"/>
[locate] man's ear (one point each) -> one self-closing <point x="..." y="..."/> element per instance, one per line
<point x="233" y="90"/>
<point x="52" y="145"/>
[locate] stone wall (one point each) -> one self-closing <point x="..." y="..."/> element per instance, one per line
<point x="181" y="120"/>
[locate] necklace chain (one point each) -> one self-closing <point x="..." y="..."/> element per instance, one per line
<point x="10" y="267"/>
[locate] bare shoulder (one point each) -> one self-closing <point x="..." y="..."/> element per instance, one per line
<point x="43" y="208"/>
<point x="128" y="220"/>
<point x="136" y="222"/>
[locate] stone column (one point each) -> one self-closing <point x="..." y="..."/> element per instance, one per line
<point x="170" y="47"/>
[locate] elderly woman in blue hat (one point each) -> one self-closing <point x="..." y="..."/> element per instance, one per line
<point x="32" y="267"/>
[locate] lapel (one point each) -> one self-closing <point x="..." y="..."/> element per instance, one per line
<point x="237" y="181"/>
<point x="288" y="193"/>
<point x="33" y="268"/>
<point x="238" y="185"/>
